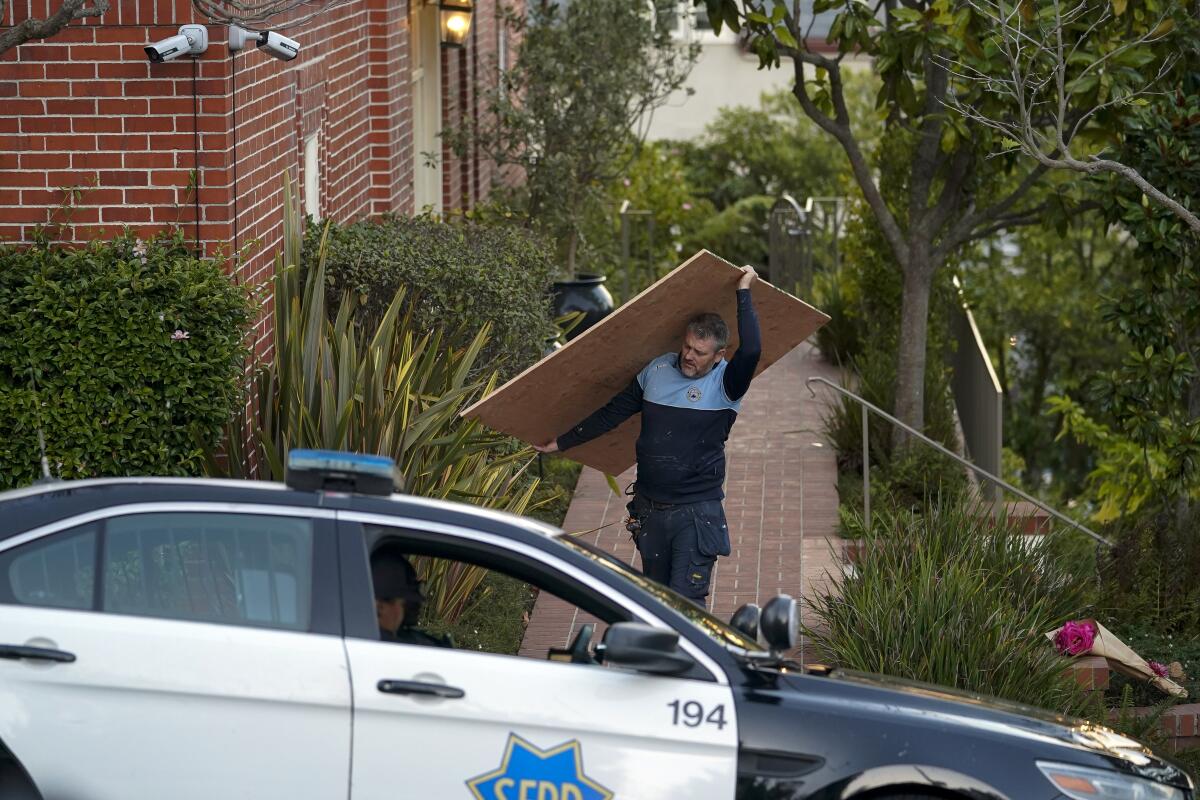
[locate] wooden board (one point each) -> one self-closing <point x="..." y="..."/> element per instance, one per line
<point x="565" y="387"/>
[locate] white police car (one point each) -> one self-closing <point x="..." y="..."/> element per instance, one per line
<point x="190" y="639"/>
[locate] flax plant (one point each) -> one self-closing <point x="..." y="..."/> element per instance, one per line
<point x="952" y="596"/>
<point x="391" y="390"/>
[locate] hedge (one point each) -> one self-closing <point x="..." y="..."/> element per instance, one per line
<point x="455" y="274"/>
<point x="136" y="350"/>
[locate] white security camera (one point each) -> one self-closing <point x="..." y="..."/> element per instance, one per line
<point x="277" y="45"/>
<point x="192" y="40"/>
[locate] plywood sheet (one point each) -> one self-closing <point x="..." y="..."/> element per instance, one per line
<point x="562" y="389"/>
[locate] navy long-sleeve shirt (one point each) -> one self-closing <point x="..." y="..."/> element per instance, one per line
<point x="685" y="421"/>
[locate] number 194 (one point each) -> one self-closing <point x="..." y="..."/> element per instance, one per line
<point x="691" y="714"/>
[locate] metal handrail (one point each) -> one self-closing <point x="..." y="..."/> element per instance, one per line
<point x="978" y="470"/>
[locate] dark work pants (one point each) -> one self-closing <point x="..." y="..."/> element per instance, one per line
<point x="679" y="545"/>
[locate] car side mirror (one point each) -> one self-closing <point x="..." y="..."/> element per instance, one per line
<point x="644" y="648"/>
<point x="745" y="620"/>
<point x="780" y="623"/>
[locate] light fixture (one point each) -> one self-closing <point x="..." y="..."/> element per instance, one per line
<point x="454" y="21"/>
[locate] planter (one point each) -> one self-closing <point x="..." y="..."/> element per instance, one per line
<point x="585" y="293"/>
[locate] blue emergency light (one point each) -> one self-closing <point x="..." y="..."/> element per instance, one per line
<point x="336" y="471"/>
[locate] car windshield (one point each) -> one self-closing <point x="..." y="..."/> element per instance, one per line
<point x="700" y="618"/>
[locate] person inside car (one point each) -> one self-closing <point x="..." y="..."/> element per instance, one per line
<point x="398" y="599"/>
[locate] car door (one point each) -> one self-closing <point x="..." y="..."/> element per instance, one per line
<point x="447" y="723"/>
<point x="171" y="651"/>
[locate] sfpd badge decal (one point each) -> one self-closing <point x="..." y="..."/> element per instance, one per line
<point x="529" y="773"/>
<point x="693" y="394"/>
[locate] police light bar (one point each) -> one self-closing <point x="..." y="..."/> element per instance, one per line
<point x="335" y="471"/>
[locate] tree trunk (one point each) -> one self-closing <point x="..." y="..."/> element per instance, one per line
<point x="911" y="355"/>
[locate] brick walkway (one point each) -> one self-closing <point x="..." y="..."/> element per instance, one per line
<point x="781" y="502"/>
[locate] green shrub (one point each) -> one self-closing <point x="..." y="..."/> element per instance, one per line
<point x="914" y="473"/>
<point x="394" y="388"/>
<point x="459" y="277"/>
<point x="659" y="238"/>
<point x="840" y="340"/>
<point x="117" y="393"/>
<point x="950" y="597"/>
<point x="737" y="233"/>
<point x="1151" y="580"/>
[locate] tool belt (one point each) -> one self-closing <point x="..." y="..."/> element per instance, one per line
<point x="639" y="507"/>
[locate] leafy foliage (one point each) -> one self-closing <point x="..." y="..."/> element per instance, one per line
<point x="394" y="389"/>
<point x="567" y="112"/>
<point x="948" y="596"/>
<point x="458" y="278"/>
<point x="866" y="324"/>
<point x="118" y="391"/>
<point x="774" y="148"/>
<point x="1154" y="394"/>
<point x="1150" y="579"/>
<point x="1035" y="298"/>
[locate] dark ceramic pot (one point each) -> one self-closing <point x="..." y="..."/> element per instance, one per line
<point x="585" y="293"/>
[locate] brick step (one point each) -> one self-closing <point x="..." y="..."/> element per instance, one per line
<point x="1181" y="724"/>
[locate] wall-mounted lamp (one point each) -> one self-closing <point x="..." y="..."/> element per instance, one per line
<point x="455" y="21"/>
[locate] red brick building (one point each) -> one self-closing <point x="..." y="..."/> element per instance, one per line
<point x="204" y="143"/>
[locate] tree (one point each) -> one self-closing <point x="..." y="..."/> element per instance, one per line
<point x="1067" y="71"/>
<point x="775" y="148"/>
<point x="1035" y="298"/>
<point x="950" y="192"/>
<point x="32" y="28"/>
<point x="587" y="77"/>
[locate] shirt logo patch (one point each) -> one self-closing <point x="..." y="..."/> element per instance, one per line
<point x="527" y="772"/>
<point x="693" y="394"/>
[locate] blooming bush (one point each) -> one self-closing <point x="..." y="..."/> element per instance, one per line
<point x="126" y="354"/>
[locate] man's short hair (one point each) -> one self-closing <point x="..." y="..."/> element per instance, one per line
<point x="709" y="326"/>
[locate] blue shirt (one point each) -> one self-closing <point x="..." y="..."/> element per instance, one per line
<point x="685" y="421"/>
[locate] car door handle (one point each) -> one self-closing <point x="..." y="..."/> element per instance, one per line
<point x="419" y="687"/>
<point x="19" y="651"/>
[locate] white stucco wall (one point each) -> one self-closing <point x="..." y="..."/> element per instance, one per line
<point x="723" y="76"/>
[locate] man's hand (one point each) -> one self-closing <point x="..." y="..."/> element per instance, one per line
<point x="748" y="276"/>
<point x="549" y="447"/>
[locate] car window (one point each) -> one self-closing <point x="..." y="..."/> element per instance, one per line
<point x="703" y="621"/>
<point x="479" y="603"/>
<point x="57" y="571"/>
<point x="238" y="569"/>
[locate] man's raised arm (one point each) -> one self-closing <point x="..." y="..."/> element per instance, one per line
<point x="740" y="369"/>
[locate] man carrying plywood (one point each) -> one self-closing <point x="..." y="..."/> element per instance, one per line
<point x="688" y="401"/>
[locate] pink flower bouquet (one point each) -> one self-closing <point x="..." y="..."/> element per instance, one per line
<point x="1075" y="638"/>
<point x="1087" y="637"/>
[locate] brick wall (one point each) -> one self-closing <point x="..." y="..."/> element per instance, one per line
<point x="86" y="109"/>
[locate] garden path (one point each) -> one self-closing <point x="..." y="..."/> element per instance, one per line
<point x="781" y="504"/>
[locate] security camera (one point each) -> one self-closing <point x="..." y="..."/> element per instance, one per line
<point x="277" y="45"/>
<point x="192" y="40"/>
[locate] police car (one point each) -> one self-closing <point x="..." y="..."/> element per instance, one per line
<point x="200" y="639"/>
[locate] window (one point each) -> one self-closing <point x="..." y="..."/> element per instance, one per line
<point x="312" y="176"/>
<point x="476" y="598"/>
<point x="239" y="569"/>
<point x="58" y="571"/>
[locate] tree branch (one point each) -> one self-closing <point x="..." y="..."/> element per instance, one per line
<point x="32" y="28"/>
<point x="839" y="128"/>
